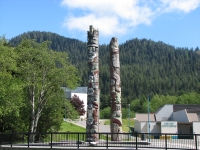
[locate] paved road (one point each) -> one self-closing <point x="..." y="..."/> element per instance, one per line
<point x="102" y="127"/>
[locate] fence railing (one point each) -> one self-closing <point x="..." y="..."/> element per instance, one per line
<point x="78" y="140"/>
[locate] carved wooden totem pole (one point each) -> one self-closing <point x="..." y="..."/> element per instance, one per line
<point x="115" y="91"/>
<point x="92" y="126"/>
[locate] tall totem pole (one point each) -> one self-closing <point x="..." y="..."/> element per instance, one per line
<point x="92" y="126"/>
<point x="115" y="91"/>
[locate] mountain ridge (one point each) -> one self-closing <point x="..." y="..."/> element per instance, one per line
<point x="146" y="66"/>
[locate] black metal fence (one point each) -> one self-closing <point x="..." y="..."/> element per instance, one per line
<point x="78" y="140"/>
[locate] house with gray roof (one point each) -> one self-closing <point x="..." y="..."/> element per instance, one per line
<point x="177" y="118"/>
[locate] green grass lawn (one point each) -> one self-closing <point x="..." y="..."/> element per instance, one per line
<point x="70" y="127"/>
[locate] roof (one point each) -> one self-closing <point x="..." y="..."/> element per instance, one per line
<point x="193" y="112"/>
<point x="191" y="108"/>
<point x="77" y="90"/>
<point x="192" y="117"/>
<point x="159" y="109"/>
<point x="144" y="117"/>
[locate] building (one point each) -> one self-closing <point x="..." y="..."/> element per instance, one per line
<point x="178" y="118"/>
<point x="81" y="92"/>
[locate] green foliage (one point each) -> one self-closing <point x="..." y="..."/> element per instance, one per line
<point x="30" y="93"/>
<point x="125" y="113"/>
<point x="146" y="66"/>
<point x="139" y="105"/>
<point x="169" y="74"/>
<point x="105" y="113"/>
<point x="10" y="88"/>
<point x="52" y="114"/>
<point x="43" y="72"/>
<point x="160" y="100"/>
<point x="70" y="111"/>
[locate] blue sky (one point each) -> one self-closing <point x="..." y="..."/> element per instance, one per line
<point x="175" y="22"/>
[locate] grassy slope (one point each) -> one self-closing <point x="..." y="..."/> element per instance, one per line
<point x="69" y="127"/>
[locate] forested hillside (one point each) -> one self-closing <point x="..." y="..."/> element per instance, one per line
<point x="147" y="67"/>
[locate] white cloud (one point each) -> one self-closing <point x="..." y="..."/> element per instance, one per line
<point x="106" y="25"/>
<point x="180" y="5"/>
<point x="118" y="16"/>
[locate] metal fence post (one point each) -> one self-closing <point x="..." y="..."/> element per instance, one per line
<point x="83" y="136"/>
<point x="136" y="140"/>
<point x="11" y="140"/>
<point x="78" y="140"/>
<point x="166" y="141"/>
<point x="195" y="136"/>
<point x="107" y="140"/>
<point x="28" y="139"/>
<point x="51" y="139"/>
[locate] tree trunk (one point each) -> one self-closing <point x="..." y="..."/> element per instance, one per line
<point x="32" y="137"/>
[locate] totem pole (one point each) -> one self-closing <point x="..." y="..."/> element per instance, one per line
<point x="93" y="86"/>
<point x="115" y="91"/>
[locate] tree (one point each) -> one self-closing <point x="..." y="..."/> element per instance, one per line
<point x="43" y="72"/>
<point x="105" y="113"/>
<point x="78" y="104"/>
<point x="146" y="66"/>
<point x="10" y="88"/>
<point x="70" y="111"/>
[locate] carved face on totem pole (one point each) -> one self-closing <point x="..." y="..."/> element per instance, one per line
<point x="115" y="90"/>
<point x="114" y="44"/>
<point x="93" y="37"/>
<point x="93" y="85"/>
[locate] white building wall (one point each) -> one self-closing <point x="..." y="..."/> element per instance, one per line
<point x="196" y="130"/>
<point x="196" y="127"/>
<point x="169" y="127"/>
<point x="137" y="127"/>
<point x="164" y="113"/>
<point x="154" y="128"/>
<point x="82" y="96"/>
<point x="142" y="127"/>
<point x="180" y="116"/>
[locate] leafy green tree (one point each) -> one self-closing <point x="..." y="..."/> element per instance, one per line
<point x="105" y="113"/>
<point x="43" y="72"/>
<point x="125" y="113"/>
<point x="10" y="88"/>
<point x="52" y="114"/>
<point x="139" y="105"/>
<point x="70" y="111"/>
